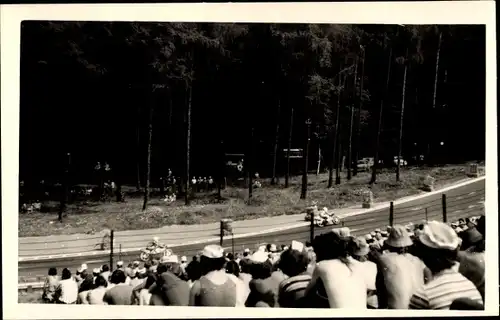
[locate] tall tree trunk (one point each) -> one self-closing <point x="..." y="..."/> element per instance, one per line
<point x="249" y="166"/>
<point x="148" y="162"/>
<point x="434" y="95"/>
<point x="358" y="127"/>
<point x="276" y="141"/>
<point x="287" y="173"/>
<point x="335" y="136"/>
<point x="349" y="149"/>
<point x="65" y="186"/>
<point x="401" y="121"/>
<point x="188" y="142"/>
<point x="339" y="157"/>
<point x="138" y="149"/>
<point x="379" y="124"/>
<point x="303" y="193"/>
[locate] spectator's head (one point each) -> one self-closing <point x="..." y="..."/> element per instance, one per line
<point x="481" y="226"/>
<point x="101" y="282"/>
<point x="136" y="264"/>
<point x="119" y="264"/>
<point x="118" y="277"/>
<point x="212" y="259"/>
<point x="193" y="270"/>
<point x="293" y="262"/>
<point x="96" y="272"/>
<point x="399" y="240"/>
<point x="246" y="252"/>
<point x="53" y="272"/>
<point x="245" y="266"/>
<point x="105" y="268"/>
<point x="66" y="274"/>
<point x="232" y="267"/>
<point x="331" y="245"/>
<point x="470" y="237"/>
<point x="359" y="249"/>
<point x="195" y="258"/>
<point x="184" y="259"/>
<point x="466" y="304"/>
<point x="438" y="246"/>
<point x="260" y="267"/>
<point x="230" y="256"/>
<point x="268" y="247"/>
<point x="84" y="273"/>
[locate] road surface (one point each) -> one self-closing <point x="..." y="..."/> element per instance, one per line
<point x="464" y="201"/>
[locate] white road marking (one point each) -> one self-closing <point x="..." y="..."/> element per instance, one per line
<point x="460" y="198"/>
<point x="473" y="192"/>
<point x="457" y="211"/>
<point x="416" y="208"/>
<point x="472" y="206"/>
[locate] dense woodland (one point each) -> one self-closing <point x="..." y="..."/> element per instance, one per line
<point x="146" y="97"/>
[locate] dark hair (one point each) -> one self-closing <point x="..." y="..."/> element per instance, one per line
<point x="100" y="281"/>
<point x="245" y="266"/>
<point x="162" y="267"/>
<point x="481" y="226"/>
<point x="66" y="274"/>
<point x="436" y="260"/>
<point x="105" y="268"/>
<point x="245" y="254"/>
<point x="268" y="247"/>
<point x="230" y="256"/>
<point x="195" y="258"/>
<point x="261" y="270"/>
<point x="52" y="272"/>
<point x="193" y="270"/>
<point x="232" y="267"/>
<point x="308" y="244"/>
<point x="211" y="264"/>
<point x="293" y="262"/>
<point x="147" y="265"/>
<point x="118" y="276"/>
<point x="329" y="246"/>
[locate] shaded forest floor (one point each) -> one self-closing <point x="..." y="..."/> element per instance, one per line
<point x="267" y="201"/>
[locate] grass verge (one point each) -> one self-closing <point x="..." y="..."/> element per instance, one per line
<point x="267" y="201"/>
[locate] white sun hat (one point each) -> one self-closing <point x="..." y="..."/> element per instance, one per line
<point x="439" y="235"/>
<point x="213" y="251"/>
<point x="183" y="259"/>
<point x="259" y="257"/>
<point x="169" y="259"/>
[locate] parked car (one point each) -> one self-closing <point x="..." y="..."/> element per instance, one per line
<point x="403" y="162"/>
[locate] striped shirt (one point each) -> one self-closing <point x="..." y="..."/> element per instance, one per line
<point x="292" y="290"/>
<point x="443" y="289"/>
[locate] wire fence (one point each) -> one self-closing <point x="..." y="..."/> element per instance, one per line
<point x="444" y="207"/>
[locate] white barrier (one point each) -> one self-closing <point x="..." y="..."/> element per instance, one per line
<point x="367" y="199"/>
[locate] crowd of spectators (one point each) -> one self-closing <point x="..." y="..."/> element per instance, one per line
<point x="432" y="265"/>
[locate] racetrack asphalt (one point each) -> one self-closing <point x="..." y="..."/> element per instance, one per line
<point x="464" y="201"/>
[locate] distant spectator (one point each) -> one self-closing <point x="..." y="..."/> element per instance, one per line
<point x="232" y="267"/>
<point x="216" y="288"/>
<point x="438" y="249"/>
<point x="172" y="289"/>
<point x="399" y="272"/>
<point x="86" y="285"/>
<point x="336" y="281"/>
<point x="472" y="261"/>
<point x="183" y="266"/>
<point x="50" y="286"/>
<point x="291" y="291"/>
<point x="67" y="290"/>
<point x="264" y="288"/>
<point x="245" y="271"/>
<point x="96" y="272"/>
<point x="121" y="293"/>
<point x="96" y="296"/>
<point x="105" y="273"/>
<point x="193" y="271"/>
<point x="119" y="266"/>
<point x="359" y="251"/>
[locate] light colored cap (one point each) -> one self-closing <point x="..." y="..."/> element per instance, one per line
<point x="259" y="257"/>
<point x="84" y="266"/>
<point x="373" y="233"/>
<point x="273" y="248"/>
<point x="368" y="237"/>
<point x="247" y="250"/>
<point x="343" y="232"/>
<point x="169" y="259"/>
<point x="378" y="230"/>
<point x="96" y="271"/>
<point x="119" y="263"/>
<point x="361" y="248"/>
<point x="399" y="237"/>
<point x="262" y="248"/>
<point x="156" y="239"/>
<point x="213" y="251"/>
<point x="438" y="235"/>
<point x="184" y="259"/>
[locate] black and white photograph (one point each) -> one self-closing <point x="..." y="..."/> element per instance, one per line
<point x="281" y="164"/>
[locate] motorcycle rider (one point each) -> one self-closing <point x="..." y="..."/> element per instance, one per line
<point x="155" y="244"/>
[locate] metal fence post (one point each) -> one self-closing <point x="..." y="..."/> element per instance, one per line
<point x="311" y="229"/>
<point x="221" y="232"/>
<point x="445" y="218"/>
<point x="111" y="245"/>
<point x="391" y="214"/>
<point x="120" y="253"/>
<point x="426" y="217"/>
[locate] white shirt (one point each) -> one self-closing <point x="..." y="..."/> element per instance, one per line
<point x="69" y="291"/>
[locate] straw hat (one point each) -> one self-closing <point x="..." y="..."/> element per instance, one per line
<point x="259" y="257"/>
<point x="361" y="247"/>
<point x="399" y="237"/>
<point x="119" y="263"/>
<point x="343" y="232"/>
<point x="439" y="235"/>
<point x="373" y="233"/>
<point x="169" y="259"/>
<point x="368" y="237"/>
<point x="247" y="250"/>
<point x="184" y="259"/>
<point x="96" y="271"/>
<point x="213" y="251"/>
<point x="273" y="248"/>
